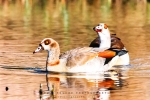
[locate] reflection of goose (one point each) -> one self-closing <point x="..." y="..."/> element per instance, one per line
<point x="84" y="59"/>
<point x="115" y="43"/>
<point x="40" y="91"/>
<point x="111" y="82"/>
<point x="103" y="94"/>
<point x="81" y="85"/>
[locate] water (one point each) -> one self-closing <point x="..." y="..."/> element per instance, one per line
<point x="24" y="23"/>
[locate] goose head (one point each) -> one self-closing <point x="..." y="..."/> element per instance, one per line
<point x="104" y="35"/>
<point x="100" y="28"/>
<point x="47" y="44"/>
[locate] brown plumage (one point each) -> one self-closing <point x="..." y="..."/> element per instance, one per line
<point x="78" y="56"/>
<point x="115" y="42"/>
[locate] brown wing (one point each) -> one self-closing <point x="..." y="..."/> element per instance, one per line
<point x="95" y="42"/>
<point x="78" y="56"/>
<point x="115" y="42"/>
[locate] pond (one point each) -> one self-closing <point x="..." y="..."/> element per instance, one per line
<point x="24" y="23"/>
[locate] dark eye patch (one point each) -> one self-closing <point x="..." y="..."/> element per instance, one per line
<point x="47" y="42"/>
<point x="105" y="26"/>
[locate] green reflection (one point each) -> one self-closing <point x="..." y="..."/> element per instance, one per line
<point x="65" y="17"/>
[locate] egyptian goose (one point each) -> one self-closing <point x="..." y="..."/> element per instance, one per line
<point x="84" y="59"/>
<point x="109" y="39"/>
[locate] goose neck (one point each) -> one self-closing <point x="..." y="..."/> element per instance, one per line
<point x="105" y="40"/>
<point x="53" y="56"/>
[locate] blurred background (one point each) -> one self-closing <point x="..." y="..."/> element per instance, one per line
<point x="70" y="22"/>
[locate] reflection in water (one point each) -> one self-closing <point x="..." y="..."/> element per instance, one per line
<point x="102" y="94"/>
<point x="23" y="23"/>
<point x="79" y="86"/>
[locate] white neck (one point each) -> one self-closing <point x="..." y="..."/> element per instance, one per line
<point x="105" y="39"/>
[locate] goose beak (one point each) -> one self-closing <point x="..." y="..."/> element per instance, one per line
<point x="40" y="48"/>
<point x="94" y="28"/>
<point x="97" y="30"/>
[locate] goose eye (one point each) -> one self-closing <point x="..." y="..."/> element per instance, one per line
<point x="46" y="42"/>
